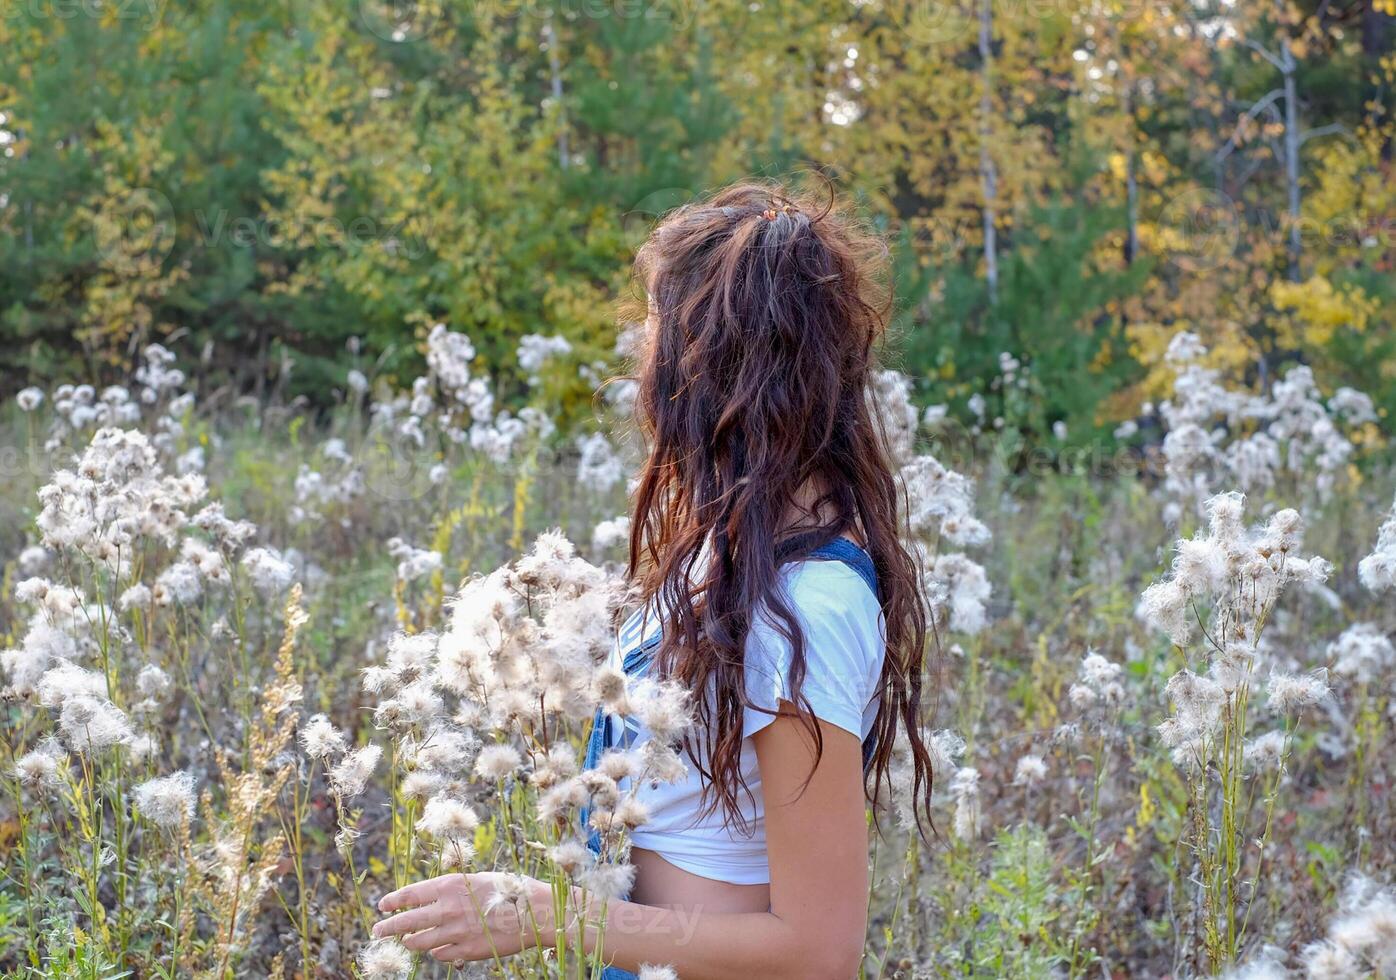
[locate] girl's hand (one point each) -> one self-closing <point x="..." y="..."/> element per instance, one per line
<point x="460" y="917"/>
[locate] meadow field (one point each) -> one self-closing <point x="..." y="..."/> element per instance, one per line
<point x="316" y="449"/>
<point x="264" y="664"/>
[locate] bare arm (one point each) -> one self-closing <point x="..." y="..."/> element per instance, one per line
<point x="816" y="835"/>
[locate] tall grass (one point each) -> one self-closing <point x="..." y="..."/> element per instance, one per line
<point x="263" y="668"/>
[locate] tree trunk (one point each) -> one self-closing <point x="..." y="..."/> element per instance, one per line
<point x="550" y="36"/>
<point x="1131" y="183"/>
<point x="1291" y="155"/>
<point x="988" y="174"/>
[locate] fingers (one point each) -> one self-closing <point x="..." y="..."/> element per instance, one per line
<point x="413" y="920"/>
<point x="420" y="942"/>
<point x="456" y="953"/>
<point x="421" y="893"/>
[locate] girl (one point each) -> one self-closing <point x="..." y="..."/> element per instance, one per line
<point x="765" y="540"/>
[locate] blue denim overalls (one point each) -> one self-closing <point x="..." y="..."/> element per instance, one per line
<point x="636" y="660"/>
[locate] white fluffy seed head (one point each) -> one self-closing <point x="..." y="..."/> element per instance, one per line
<point x="609" y="688"/>
<point x="1292" y="693"/>
<point x="662" y="708"/>
<point x="560" y="763"/>
<point x="611" y="882"/>
<point x="269" y="573"/>
<point x="1378" y="570"/>
<point x="421" y="784"/>
<point x="456" y="854"/>
<point x="1362" y="653"/>
<point x="166" y="801"/>
<point x="448" y="819"/>
<point x="91" y="724"/>
<point x="618" y="765"/>
<point x="1268" y="965"/>
<point x="964" y="788"/>
<point x="351" y="776"/>
<point x="631" y="813"/>
<point x="40" y="771"/>
<point x="1082" y="697"/>
<point x="1265" y="752"/>
<point x="321" y="739"/>
<point x="510" y="889"/>
<point x="558" y="802"/>
<point x="497" y="762"/>
<point x="29" y="399"/>
<point x="945" y="747"/>
<point x="67" y="680"/>
<point x="1164" y="606"/>
<point x="152" y="682"/>
<point x="385" y="959"/>
<point x="1326" y="960"/>
<point x="571" y="857"/>
<point x="447" y="750"/>
<point x="1030" y="771"/>
<point x="610" y="534"/>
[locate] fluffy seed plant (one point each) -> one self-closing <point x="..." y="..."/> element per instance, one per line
<point x="1095" y="699"/>
<point x="1362" y="662"/>
<point x="147" y="647"/>
<point x="1289" y="440"/>
<point x="1214" y="605"/>
<point x="408" y="448"/>
<point x="1360" y="941"/>
<point x="485" y="724"/>
<point x="940" y="525"/>
<point x="148" y="670"/>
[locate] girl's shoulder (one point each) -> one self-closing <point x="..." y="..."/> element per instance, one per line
<point x="835" y="608"/>
<point x="844" y="644"/>
<point x="825" y="595"/>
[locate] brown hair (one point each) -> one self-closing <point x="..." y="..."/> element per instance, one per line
<point x="753" y="376"/>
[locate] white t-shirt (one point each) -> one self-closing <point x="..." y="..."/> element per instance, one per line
<point x="845" y="643"/>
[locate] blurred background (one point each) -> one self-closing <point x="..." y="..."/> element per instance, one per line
<point x="318" y="296"/>
<point x="279" y="190"/>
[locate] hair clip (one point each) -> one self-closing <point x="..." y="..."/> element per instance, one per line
<point x="769" y="214"/>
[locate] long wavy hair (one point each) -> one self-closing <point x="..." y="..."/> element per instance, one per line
<point x="753" y="376"/>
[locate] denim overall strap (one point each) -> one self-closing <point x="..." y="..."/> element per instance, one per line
<point x="600" y="738"/>
<point x="844" y="550"/>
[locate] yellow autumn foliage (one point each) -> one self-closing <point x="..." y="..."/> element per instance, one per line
<point x="1314" y="309"/>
